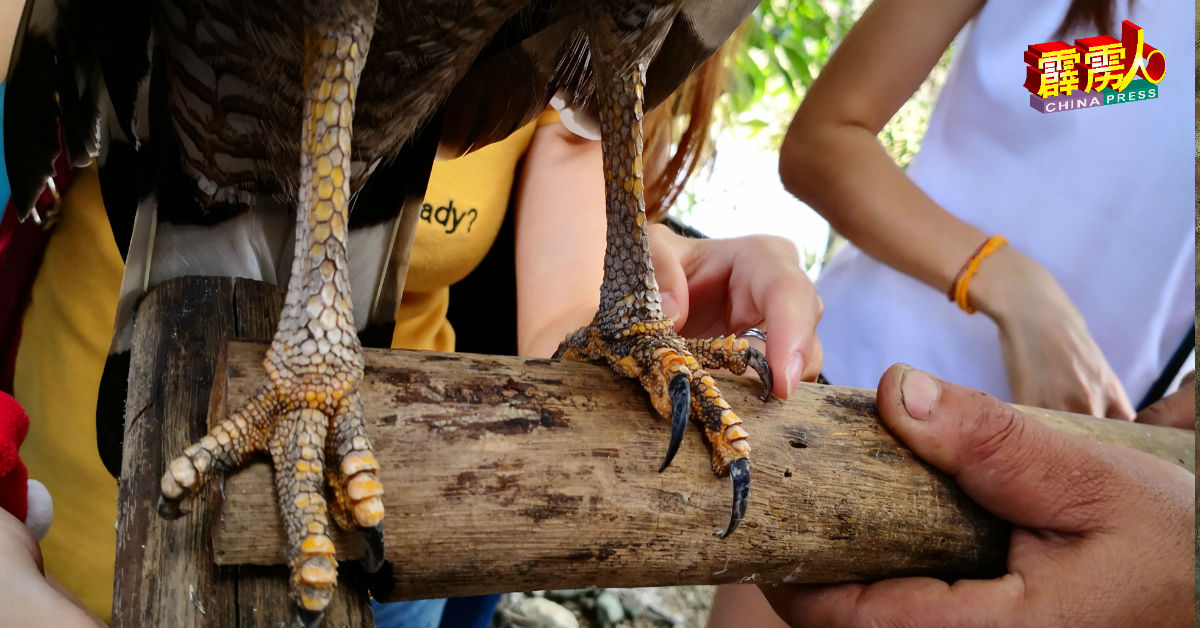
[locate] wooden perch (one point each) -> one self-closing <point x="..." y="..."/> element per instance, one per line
<point x="165" y="575"/>
<point x="507" y="474"/>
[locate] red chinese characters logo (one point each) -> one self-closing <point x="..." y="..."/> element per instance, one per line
<point x="1093" y="63"/>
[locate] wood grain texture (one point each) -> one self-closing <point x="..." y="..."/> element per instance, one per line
<point x="165" y="574"/>
<point x="508" y="474"/>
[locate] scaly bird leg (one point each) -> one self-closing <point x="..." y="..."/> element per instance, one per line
<point x="308" y="413"/>
<point x="629" y="332"/>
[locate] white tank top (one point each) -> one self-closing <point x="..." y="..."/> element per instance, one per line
<point x="1102" y="197"/>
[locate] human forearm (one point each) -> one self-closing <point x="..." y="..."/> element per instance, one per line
<point x="540" y="336"/>
<point x="27" y="596"/>
<point x="873" y="203"/>
<point x="877" y="207"/>
<point x="41" y="604"/>
<point x="560" y="229"/>
<point x="832" y="159"/>
<point x="10" y="18"/>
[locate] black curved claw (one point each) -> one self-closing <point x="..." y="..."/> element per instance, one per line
<point x="169" y="508"/>
<point x="739" y="474"/>
<point x="373" y="542"/>
<point x="380" y="576"/>
<point x="758" y="362"/>
<point x="680" y="390"/>
<point x="309" y="619"/>
<point x="382" y="583"/>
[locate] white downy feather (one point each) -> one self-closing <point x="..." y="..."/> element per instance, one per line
<point x="258" y="244"/>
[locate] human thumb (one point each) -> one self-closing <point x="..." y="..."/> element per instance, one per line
<point x="1010" y="463"/>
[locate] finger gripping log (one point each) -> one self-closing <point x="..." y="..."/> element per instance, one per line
<point x="513" y="474"/>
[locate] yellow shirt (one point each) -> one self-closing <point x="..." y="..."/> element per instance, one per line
<point x="67" y="329"/>
<point x="64" y="340"/>
<point x="464" y="207"/>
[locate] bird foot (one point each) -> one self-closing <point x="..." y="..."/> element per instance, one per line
<point x="672" y="371"/>
<point x="303" y="422"/>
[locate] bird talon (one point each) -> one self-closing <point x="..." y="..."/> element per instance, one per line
<point x="308" y="619"/>
<point x="382" y="582"/>
<point x="739" y="475"/>
<point x="169" y="508"/>
<point x="680" y="391"/>
<point x="757" y="361"/>
<point x="372" y="536"/>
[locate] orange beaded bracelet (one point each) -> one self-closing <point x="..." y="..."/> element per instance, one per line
<point x="958" y="289"/>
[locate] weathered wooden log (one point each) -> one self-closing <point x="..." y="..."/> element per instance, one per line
<point x="165" y="573"/>
<point x="507" y="474"/>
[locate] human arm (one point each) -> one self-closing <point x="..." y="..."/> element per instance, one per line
<point x="1103" y="534"/>
<point x="560" y="230"/>
<point x="10" y="19"/>
<point x="832" y="159"/>
<point x="719" y="286"/>
<point x="27" y="596"/>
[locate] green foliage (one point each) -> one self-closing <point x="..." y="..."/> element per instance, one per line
<point x="789" y="41"/>
<point x="785" y="45"/>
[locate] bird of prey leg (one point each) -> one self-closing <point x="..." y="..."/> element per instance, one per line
<point x="629" y="332"/>
<point x="308" y="415"/>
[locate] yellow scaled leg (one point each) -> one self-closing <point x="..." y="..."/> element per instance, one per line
<point x="308" y="414"/>
<point x="629" y="332"/>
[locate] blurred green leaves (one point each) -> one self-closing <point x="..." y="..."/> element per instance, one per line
<point x="784" y="46"/>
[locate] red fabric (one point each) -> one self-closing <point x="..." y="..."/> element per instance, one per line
<point x="14" y="489"/>
<point x="21" y="247"/>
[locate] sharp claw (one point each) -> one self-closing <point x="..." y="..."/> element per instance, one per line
<point x="309" y="619"/>
<point x="373" y="541"/>
<point x="680" y="391"/>
<point x="739" y="474"/>
<point x="765" y="376"/>
<point x="169" y="508"/>
<point x="758" y="362"/>
<point x="382" y="582"/>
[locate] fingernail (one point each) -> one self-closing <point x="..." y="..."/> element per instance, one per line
<point x="919" y="392"/>
<point x="794" y="370"/>
<point x="670" y="306"/>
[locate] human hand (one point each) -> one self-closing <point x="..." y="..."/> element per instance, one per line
<point x="1051" y="359"/>
<point x="1102" y="536"/>
<point x="723" y="286"/>
<point x="1177" y="409"/>
<point x="27" y="596"/>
